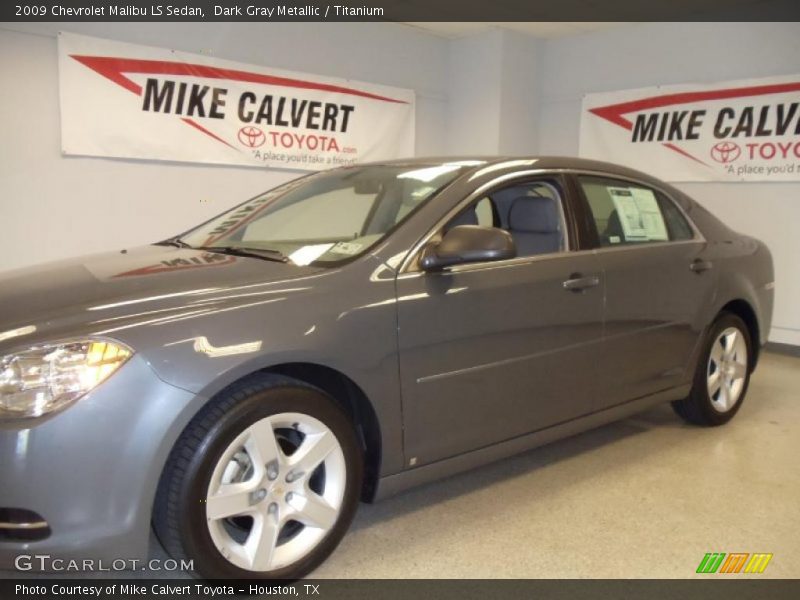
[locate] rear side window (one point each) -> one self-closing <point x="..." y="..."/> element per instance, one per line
<point x="678" y="226"/>
<point x="628" y="213"/>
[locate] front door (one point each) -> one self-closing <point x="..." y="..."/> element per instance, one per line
<point x="492" y="351"/>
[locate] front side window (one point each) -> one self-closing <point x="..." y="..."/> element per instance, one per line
<point x="531" y="212"/>
<point x="325" y="218"/>
<point x="629" y="213"/>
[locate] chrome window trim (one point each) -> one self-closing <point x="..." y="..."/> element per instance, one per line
<point x="24" y="525"/>
<point x="523" y="260"/>
<point x="406" y="267"/>
<point x="513" y="262"/>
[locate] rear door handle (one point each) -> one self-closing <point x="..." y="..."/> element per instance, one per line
<point x="699" y="265"/>
<point x="578" y="282"/>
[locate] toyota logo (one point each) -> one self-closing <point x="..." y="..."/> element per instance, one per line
<point x="725" y="152"/>
<point x="250" y="136"/>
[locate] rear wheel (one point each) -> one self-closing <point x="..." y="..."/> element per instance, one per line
<point x="263" y="483"/>
<point x="722" y="375"/>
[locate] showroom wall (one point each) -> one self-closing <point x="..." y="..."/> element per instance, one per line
<point x="489" y="93"/>
<point x="492" y="93"/>
<point x="668" y="53"/>
<point x="54" y="206"/>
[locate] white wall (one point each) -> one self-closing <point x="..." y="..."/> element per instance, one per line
<point x="53" y="206"/>
<point x="521" y="94"/>
<point x="495" y="92"/>
<point x="667" y="53"/>
<point x="474" y="77"/>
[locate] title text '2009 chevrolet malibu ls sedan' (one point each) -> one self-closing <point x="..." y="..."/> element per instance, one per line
<point x="350" y="334"/>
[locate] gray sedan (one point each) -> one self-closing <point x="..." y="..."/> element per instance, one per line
<point x="348" y="335"/>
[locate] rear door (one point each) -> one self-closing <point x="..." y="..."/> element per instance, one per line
<point x="490" y="351"/>
<point x="656" y="283"/>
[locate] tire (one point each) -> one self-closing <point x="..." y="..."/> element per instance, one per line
<point x="707" y="403"/>
<point x="272" y="489"/>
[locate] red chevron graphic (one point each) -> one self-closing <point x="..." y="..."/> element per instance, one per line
<point x="614" y="113"/>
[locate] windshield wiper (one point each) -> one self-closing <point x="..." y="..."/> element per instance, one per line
<point x="173" y="241"/>
<point x="262" y="253"/>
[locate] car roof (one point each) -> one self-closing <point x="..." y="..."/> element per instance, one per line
<point x="512" y="163"/>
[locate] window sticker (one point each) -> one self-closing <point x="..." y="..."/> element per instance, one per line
<point x="308" y="254"/>
<point x="639" y="215"/>
<point x="348" y="248"/>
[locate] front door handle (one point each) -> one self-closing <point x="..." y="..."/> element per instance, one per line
<point x="578" y="282"/>
<point x="699" y="265"/>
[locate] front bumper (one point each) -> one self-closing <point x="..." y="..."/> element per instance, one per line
<point x="91" y="471"/>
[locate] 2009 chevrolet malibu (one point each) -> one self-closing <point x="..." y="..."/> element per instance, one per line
<point x="350" y="334"/>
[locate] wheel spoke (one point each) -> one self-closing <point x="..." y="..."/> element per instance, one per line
<point x="724" y="396"/>
<point x="315" y="448"/>
<point x="714" y="383"/>
<point x="262" y="446"/>
<point x="313" y="511"/>
<point x="717" y="351"/>
<point x="261" y="542"/>
<point x="739" y="370"/>
<point x="730" y="343"/>
<point x="231" y="500"/>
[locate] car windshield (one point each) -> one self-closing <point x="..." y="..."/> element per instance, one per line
<point x="324" y="218"/>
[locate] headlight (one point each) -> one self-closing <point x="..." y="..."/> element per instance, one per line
<point x="45" y="378"/>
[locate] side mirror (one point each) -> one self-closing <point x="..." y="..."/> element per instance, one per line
<point x="467" y="244"/>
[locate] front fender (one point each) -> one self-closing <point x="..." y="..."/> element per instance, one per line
<point x="346" y="323"/>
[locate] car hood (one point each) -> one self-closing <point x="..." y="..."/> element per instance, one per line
<point x="98" y="293"/>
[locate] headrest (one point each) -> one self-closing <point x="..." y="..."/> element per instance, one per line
<point x="614" y="225"/>
<point x="534" y="214"/>
<point x="470" y="217"/>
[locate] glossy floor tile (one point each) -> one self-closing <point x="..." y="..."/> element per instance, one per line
<point x="644" y="497"/>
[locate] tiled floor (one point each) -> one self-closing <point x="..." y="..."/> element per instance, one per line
<point x="645" y="497"/>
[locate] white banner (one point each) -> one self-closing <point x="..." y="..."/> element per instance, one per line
<point x="131" y="101"/>
<point x="734" y="131"/>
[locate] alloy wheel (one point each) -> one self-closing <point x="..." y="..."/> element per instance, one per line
<point x="276" y="491"/>
<point x="727" y="369"/>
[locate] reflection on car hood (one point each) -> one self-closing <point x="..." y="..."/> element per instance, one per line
<point x="78" y="295"/>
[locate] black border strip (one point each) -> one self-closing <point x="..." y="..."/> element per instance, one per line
<point x="727" y="587"/>
<point x="399" y="10"/>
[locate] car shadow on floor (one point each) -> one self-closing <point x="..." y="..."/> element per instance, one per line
<point x="474" y="480"/>
<point x="654" y="422"/>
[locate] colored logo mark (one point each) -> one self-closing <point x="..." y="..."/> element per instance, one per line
<point x="735" y="562"/>
<point x="725" y="152"/>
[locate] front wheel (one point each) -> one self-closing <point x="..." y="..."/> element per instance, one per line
<point x="722" y="375"/>
<point x="264" y="482"/>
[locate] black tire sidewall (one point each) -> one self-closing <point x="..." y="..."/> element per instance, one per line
<point x="195" y="537"/>
<point x="700" y="387"/>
